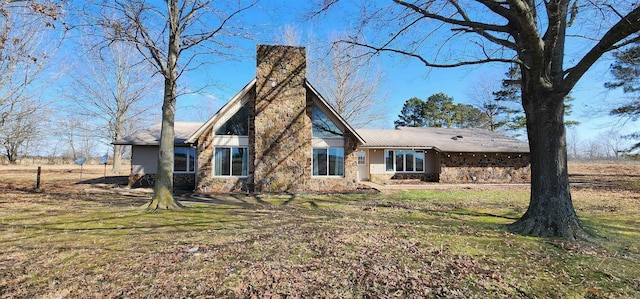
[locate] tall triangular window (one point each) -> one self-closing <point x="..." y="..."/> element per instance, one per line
<point x="322" y="124"/>
<point x="238" y="124"/>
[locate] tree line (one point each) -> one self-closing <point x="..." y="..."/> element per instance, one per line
<point x="497" y="111"/>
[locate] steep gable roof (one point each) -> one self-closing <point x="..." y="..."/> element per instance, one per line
<point x="335" y="113"/>
<point x="444" y="139"/>
<point x="233" y="106"/>
<point x="225" y="112"/>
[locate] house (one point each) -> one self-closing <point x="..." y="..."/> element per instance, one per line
<point x="278" y="134"/>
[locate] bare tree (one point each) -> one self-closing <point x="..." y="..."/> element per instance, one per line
<point x="594" y="150"/>
<point x="612" y="142"/>
<point x="111" y="88"/>
<point x="195" y="30"/>
<point x="531" y="34"/>
<point x="352" y="84"/>
<point x="24" y="45"/>
<point x="339" y="73"/>
<point x="573" y="143"/>
<point x="482" y="94"/>
<point x="21" y="127"/>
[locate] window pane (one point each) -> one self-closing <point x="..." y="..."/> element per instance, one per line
<point x="408" y="157"/>
<point x="192" y="159"/>
<point x="320" y="161"/>
<point x="362" y="158"/>
<point x="239" y="161"/>
<point x="389" y="160"/>
<point x="399" y="160"/>
<point x="336" y="161"/>
<point x="420" y="161"/>
<point x="222" y="161"/>
<point x="322" y="125"/>
<point x="180" y="159"/>
<point x="238" y="124"/>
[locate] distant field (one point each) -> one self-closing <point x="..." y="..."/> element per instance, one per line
<point x="87" y="238"/>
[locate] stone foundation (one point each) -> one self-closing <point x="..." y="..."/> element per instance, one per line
<point x="399" y="178"/>
<point x="180" y="181"/>
<point x="484" y="168"/>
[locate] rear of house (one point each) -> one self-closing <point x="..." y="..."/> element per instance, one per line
<point x="278" y="134"/>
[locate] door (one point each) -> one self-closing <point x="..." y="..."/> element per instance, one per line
<point x="363" y="165"/>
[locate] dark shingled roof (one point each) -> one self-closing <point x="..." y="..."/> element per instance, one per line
<point x="151" y="136"/>
<point x="444" y="139"/>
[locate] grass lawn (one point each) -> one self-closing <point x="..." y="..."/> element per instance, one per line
<point x="91" y="240"/>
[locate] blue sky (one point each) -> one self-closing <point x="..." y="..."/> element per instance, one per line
<point x="404" y="78"/>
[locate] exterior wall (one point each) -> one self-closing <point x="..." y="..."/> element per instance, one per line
<point x="376" y="162"/>
<point x="485" y="168"/>
<point x="378" y="171"/>
<point x="280" y="139"/>
<point x="180" y="180"/>
<point x="279" y="125"/>
<point x="350" y="180"/>
<point x="144" y="163"/>
<point x="144" y="159"/>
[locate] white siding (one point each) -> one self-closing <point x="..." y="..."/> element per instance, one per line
<point x="376" y="161"/>
<point x="230" y="141"/>
<point x="327" y="142"/>
<point x="144" y="159"/>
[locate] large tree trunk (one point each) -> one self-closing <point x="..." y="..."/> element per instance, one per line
<point x="163" y="189"/>
<point x="117" y="159"/>
<point x="117" y="149"/>
<point x="550" y="212"/>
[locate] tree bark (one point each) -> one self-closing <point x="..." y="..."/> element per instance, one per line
<point x="117" y="159"/>
<point x="550" y="212"/>
<point x="163" y="189"/>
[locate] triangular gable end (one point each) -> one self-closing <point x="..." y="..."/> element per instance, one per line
<point x="226" y="112"/>
<point x="334" y="114"/>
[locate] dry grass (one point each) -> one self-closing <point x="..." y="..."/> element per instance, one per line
<point x="90" y="239"/>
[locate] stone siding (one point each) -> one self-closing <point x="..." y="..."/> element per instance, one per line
<point x="484" y="168"/>
<point x="186" y="181"/>
<point x="279" y="125"/>
<point x="280" y="133"/>
<point x="399" y="178"/>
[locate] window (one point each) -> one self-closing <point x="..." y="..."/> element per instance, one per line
<point x="321" y="124"/>
<point x="328" y="162"/>
<point x="231" y="161"/>
<point x="237" y="125"/>
<point x="404" y="161"/>
<point x="362" y="158"/>
<point x="388" y="160"/>
<point x="184" y="159"/>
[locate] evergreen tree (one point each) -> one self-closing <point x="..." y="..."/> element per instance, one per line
<point x="440" y="111"/>
<point x="626" y="72"/>
<point x="508" y="103"/>
<point x="411" y="114"/>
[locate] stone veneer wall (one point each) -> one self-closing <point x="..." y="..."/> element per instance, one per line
<point x="484" y="168"/>
<point x="280" y="129"/>
<point x="180" y="181"/>
<point x="207" y="183"/>
<point x="398" y="178"/>
<point x="280" y="134"/>
<point x="349" y="182"/>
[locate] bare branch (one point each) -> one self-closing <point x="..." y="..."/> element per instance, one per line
<point x="427" y="62"/>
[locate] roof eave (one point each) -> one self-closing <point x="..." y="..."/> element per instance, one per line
<point x="334" y="112"/>
<point x="238" y="97"/>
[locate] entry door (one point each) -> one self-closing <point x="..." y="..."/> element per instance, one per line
<point x="363" y="165"/>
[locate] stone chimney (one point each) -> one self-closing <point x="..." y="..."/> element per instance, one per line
<point x="280" y="129"/>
